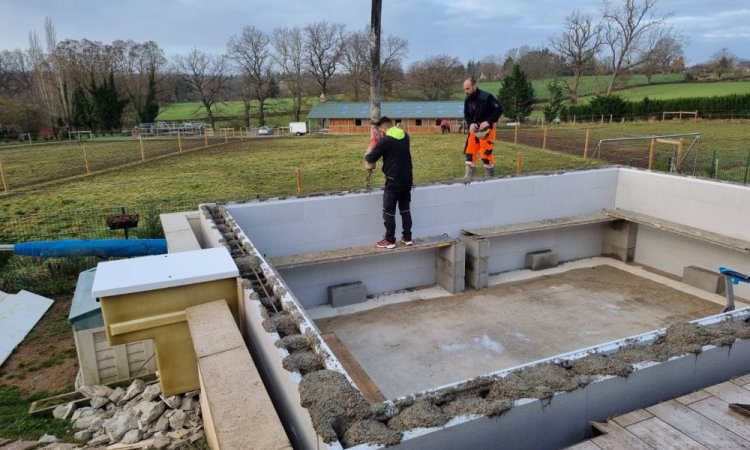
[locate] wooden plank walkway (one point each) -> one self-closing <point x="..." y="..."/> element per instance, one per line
<point x="700" y="420"/>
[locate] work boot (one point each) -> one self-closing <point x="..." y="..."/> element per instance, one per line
<point x="489" y="172"/>
<point x="469" y="173"/>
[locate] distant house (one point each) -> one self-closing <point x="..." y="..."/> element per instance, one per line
<point x="412" y="117"/>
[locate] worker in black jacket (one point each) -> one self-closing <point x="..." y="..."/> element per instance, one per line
<point x="393" y="147"/>
<point x="481" y="112"/>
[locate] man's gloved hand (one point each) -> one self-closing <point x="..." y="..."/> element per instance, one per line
<point x="484" y="125"/>
<point x="473" y="127"/>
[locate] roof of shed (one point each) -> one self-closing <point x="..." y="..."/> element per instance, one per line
<point x="396" y="110"/>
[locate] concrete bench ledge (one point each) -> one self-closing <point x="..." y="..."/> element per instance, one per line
<point x="540" y="225"/>
<point x="352" y="253"/>
<point x="683" y="230"/>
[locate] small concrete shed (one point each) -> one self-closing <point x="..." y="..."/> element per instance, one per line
<point x="99" y="362"/>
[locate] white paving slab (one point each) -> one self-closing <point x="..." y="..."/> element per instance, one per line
<point x="18" y="315"/>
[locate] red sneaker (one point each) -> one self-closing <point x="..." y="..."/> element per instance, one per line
<point x="385" y="244"/>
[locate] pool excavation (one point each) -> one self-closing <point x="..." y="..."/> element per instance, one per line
<point x="526" y="308"/>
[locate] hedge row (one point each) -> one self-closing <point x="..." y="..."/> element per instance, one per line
<point x="618" y="108"/>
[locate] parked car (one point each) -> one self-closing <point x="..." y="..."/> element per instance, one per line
<point x="265" y="131"/>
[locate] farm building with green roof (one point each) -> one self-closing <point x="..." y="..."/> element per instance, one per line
<point x="413" y="117"/>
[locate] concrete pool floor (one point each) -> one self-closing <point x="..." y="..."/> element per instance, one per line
<point x="420" y="340"/>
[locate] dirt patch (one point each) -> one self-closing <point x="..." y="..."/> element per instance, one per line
<point x="46" y="361"/>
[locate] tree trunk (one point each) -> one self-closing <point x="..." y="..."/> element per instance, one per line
<point x="261" y="112"/>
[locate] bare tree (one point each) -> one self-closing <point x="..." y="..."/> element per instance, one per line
<point x="357" y="62"/>
<point x="141" y="63"/>
<point x="628" y="25"/>
<point x="436" y="77"/>
<point x="541" y="63"/>
<point x="250" y="50"/>
<point x="660" y="56"/>
<point x="289" y="55"/>
<point x="206" y="75"/>
<point x="723" y="61"/>
<point x="491" y="66"/>
<point x="324" y="48"/>
<point x="578" y="44"/>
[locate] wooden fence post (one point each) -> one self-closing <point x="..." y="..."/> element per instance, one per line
<point x="544" y="139"/>
<point x="515" y="135"/>
<point x="2" y="175"/>
<point x="143" y="153"/>
<point x="179" y="141"/>
<point x="86" y="159"/>
<point x="651" y="154"/>
<point x="205" y="138"/>
<point x="679" y="153"/>
<point x="586" y="146"/>
<point x="30" y="138"/>
<point x="299" y="180"/>
<point x="519" y="163"/>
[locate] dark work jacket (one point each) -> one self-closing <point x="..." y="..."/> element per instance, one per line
<point x="481" y="106"/>
<point x="394" y="149"/>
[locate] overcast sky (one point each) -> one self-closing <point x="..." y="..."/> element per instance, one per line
<point x="467" y="29"/>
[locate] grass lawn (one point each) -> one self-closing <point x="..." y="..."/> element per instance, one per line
<point x="683" y="90"/>
<point x="259" y="167"/>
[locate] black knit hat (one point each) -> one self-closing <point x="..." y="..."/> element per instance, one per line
<point x="382" y="120"/>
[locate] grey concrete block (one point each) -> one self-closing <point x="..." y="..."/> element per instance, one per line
<point x="541" y="259"/>
<point x="477" y="261"/>
<point x="347" y="294"/>
<point x="705" y="279"/>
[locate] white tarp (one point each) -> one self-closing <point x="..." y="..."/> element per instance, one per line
<point x="18" y="315"/>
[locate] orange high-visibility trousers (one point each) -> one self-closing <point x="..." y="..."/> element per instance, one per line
<point x="481" y="149"/>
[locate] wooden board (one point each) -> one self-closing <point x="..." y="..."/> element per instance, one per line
<point x="658" y="434"/>
<point x="693" y="397"/>
<point x="697" y="426"/>
<point x="632" y="417"/>
<point x="729" y="392"/>
<point x="585" y="445"/>
<point x="616" y="437"/>
<point x="363" y="381"/>
<point x="718" y="411"/>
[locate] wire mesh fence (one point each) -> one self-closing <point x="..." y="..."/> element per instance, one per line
<point x="683" y="153"/>
<point x="93" y="223"/>
<point x="29" y="165"/>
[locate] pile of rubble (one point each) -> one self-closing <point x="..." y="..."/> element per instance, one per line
<point x="138" y="415"/>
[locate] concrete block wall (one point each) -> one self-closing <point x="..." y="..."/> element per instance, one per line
<point x="619" y="240"/>
<point x="380" y="274"/>
<point x="709" y="205"/>
<point x="509" y="252"/>
<point x="672" y="253"/>
<point x="301" y="225"/>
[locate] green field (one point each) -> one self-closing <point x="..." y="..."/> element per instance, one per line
<point x="257" y="167"/>
<point x="663" y="87"/>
